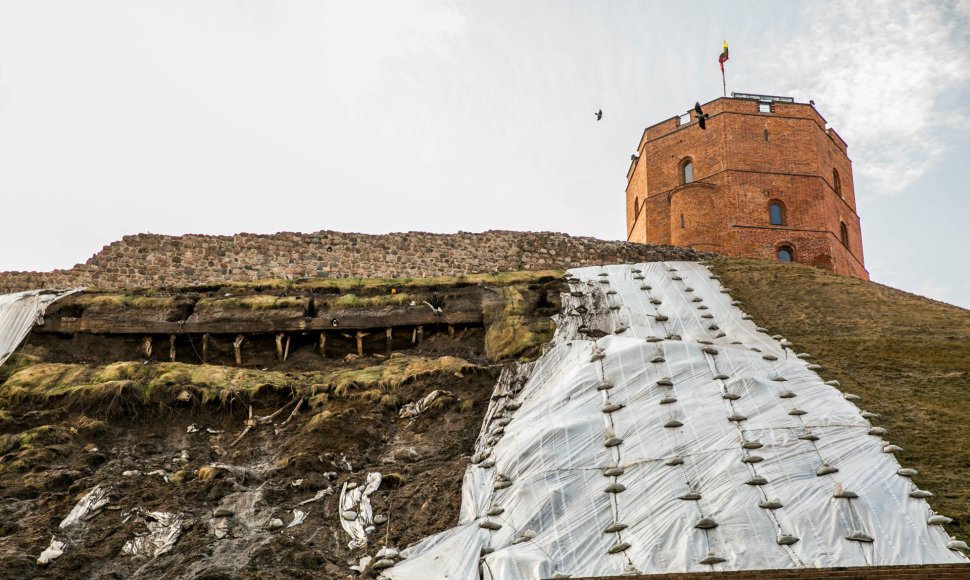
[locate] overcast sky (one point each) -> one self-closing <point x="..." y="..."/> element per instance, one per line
<point x="220" y="117"/>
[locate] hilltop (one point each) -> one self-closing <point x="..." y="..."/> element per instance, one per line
<point x="82" y="407"/>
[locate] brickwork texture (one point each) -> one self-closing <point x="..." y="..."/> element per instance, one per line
<point x="742" y="163"/>
<point x="147" y="260"/>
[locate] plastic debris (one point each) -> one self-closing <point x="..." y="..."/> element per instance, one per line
<point x="88" y="506"/>
<point x="298" y="517"/>
<point x="52" y="552"/>
<point x="414" y="409"/>
<point x="357" y="499"/>
<point x="274" y="524"/>
<point x="164" y="530"/>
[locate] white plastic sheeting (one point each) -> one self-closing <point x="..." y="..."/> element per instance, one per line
<point x="18" y="314"/>
<point x="356" y="514"/>
<point x="683" y="439"/>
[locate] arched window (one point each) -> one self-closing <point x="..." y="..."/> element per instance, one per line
<point x="776" y="213"/>
<point x="687" y="171"/>
<point x="844" y="234"/>
<point x="786" y="253"/>
<point x="836" y="183"/>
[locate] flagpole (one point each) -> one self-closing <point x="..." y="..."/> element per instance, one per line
<point x="723" y="82"/>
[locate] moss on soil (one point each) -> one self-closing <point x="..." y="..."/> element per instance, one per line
<point x="118" y="386"/>
<point x="512" y="330"/>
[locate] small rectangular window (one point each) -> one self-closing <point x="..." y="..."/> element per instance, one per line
<point x="682" y="220"/>
<point x="766" y="134"/>
<point x="764" y="107"/>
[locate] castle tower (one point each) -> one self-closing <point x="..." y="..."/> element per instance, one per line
<point x="765" y="179"/>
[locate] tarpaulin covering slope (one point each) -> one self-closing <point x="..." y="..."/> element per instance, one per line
<point x="18" y="314"/>
<point x="663" y="432"/>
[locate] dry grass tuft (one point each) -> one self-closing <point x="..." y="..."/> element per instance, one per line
<point x="318" y="422"/>
<point x="468" y="405"/>
<point x="207" y="473"/>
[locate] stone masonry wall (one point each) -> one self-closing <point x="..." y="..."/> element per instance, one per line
<point x="148" y="260"/>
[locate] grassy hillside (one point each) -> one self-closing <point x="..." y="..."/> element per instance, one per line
<point x="908" y="357"/>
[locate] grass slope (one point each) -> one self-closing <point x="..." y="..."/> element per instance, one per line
<point x="908" y="357"/>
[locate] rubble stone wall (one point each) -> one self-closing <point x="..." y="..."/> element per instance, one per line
<point x="149" y="260"/>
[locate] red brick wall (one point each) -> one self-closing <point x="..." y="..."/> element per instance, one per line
<point x="742" y="171"/>
<point x="927" y="572"/>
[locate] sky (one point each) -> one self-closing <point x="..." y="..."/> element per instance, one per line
<point x="219" y="117"/>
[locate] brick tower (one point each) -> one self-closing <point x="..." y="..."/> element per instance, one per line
<point x="765" y="179"/>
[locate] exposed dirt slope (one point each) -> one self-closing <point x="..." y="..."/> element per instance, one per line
<point x="908" y="357"/>
<point x="221" y="447"/>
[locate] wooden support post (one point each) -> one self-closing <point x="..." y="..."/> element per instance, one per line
<point x="420" y="335"/>
<point x="237" y="346"/>
<point x="390" y="337"/>
<point x="279" y="346"/>
<point x="171" y="348"/>
<point x="205" y="348"/>
<point x="451" y="332"/>
<point x="414" y="335"/>
<point x="286" y="351"/>
<point x="323" y="344"/>
<point x="146" y="346"/>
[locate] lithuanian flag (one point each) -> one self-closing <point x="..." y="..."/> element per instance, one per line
<point x="723" y="57"/>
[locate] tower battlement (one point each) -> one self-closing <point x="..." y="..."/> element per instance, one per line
<point x="767" y="178"/>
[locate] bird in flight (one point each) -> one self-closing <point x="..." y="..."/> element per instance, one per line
<point x="701" y="115"/>
<point x="599" y="114"/>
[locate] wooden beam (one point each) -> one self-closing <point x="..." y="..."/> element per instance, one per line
<point x="237" y="346"/>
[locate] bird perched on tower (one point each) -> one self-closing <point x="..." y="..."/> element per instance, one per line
<point x="701" y="115"/>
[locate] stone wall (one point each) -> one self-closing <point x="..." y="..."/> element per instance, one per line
<point x="145" y="260"/>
